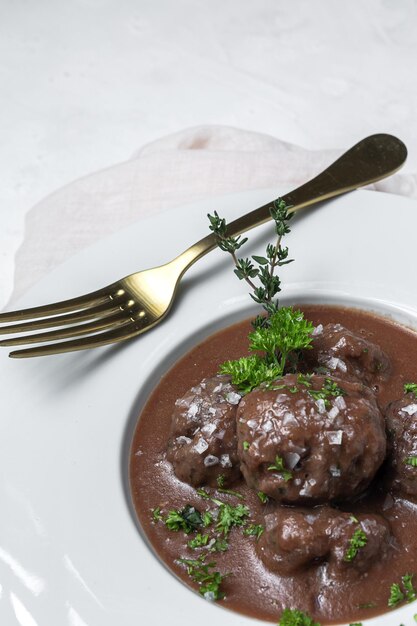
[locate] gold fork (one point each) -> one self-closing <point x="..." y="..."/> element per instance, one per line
<point x="136" y="303"/>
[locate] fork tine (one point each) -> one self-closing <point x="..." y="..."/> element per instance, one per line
<point x="102" y="311"/>
<point x="105" y="323"/>
<point x="121" y="333"/>
<point x="74" y="304"/>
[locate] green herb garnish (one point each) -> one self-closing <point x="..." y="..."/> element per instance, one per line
<point x="410" y="388"/>
<point x="220" y="480"/>
<point x="356" y="542"/>
<point x="156" y="514"/>
<point x="219" y="545"/>
<point x="410" y="592"/>
<point x="254" y="530"/>
<point x="330" y="389"/>
<point x="293" y="617"/>
<point x="396" y="595"/>
<point x="230" y="516"/>
<point x="411" y="460"/>
<point x="407" y="592"/>
<point x="203" y="494"/>
<point x="246" y="445"/>
<point x="199" y="541"/>
<point x="262" y="497"/>
<point x="230" y="492"/>
<point x="283" y="332"/>
<point x="278" y="467"/>
<point x="207" y="518"/>
<point x="249" y="372"/>
<point x="202" y="573"/>
<point x="367" y="605"/>
<point x="259" y="268"/>
<point x="187" y="519"/>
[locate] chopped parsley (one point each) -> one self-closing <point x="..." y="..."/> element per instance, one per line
<point x="187" y="519"/>
<point x="329" y="389"/>
<point x="207" y="518"/>
<point x="410" y="592"/>
<point x="199" y="541"/>
<point x="396" y="595"/>
<point x="356" y="542"/>
<point x="218" y="545"/>
<point x="410" y="388"/>
<point x="230" y="516"/>
<point x="279" y="467"/>
<point x="254" y="530"/>
<point x="156" y="514"/>
<point x="262" y="497"/>
<point x="230" y="492"/>
<point x="411" y="460"/>
<point x="407" y="592"/>
<point x="203" y="494"/>
<point x="367" y="605"/>
<point x="220" y="480"/>
<point x="202" y="573"/>
<point x="294" y="617"/>
<point x="246" y="445"/>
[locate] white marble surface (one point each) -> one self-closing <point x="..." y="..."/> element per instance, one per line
<point x="84" y="83"/>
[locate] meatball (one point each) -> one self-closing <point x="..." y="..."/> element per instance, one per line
<point x="346" y="355"/>
<point x="296" y="539"/>
<point x="347" y="550"/>
<point x="310" y="439"/>
<point x="291" y="541"/>
<point x="203" y="445"/>
<point x="401" y="419"/>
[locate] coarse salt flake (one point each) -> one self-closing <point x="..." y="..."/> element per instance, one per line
<point x="340" y="402"/>
<point x="334" y="412"/>
<point x="321" y="405"/>
<point x="410" y="409"/>
<point x="317" y="330"/>
<point x="225" y="460"/>
<point x="208" y="429"/>
<point x="233" y="398"/>
<point x="211" y="460"/>
<point x="201" y="446"/>
<point x="192" y="410"/>
<point x="182" y="440"/>
<point x="335" y="437"/>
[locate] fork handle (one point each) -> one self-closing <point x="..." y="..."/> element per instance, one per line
<point x="372" y="159"/>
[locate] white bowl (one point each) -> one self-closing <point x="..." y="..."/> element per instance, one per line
<point x="70" y="549"/>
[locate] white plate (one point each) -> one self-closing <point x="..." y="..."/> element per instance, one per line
<point x="70" y="550"/>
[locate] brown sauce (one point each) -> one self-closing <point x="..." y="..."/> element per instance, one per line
<point x="252" y="589"/>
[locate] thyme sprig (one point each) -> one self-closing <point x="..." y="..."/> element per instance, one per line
<point x="261" y="268"/>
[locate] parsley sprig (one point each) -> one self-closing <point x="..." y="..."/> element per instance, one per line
<point x="287" y="333"/>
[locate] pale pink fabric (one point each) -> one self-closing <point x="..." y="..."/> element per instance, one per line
<point x="196" y="163"/>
